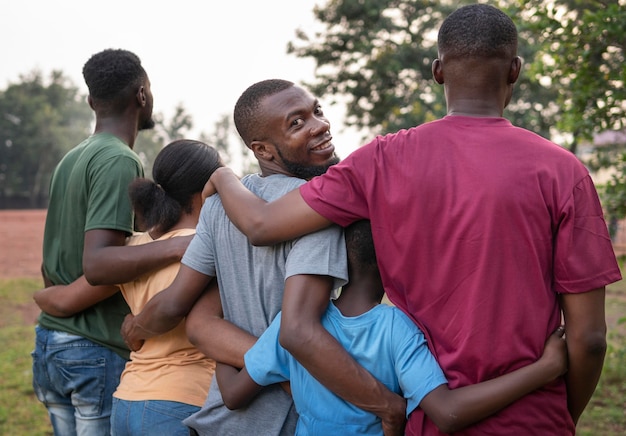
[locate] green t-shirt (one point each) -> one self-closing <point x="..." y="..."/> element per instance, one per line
<point x="89" y="190"/>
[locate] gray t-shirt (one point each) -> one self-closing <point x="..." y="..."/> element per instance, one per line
<point x="251" y="281"/>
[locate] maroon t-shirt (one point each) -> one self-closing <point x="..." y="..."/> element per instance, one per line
<point x="477" y="225"/>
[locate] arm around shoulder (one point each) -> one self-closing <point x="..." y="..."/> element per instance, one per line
<point x="265" y="223"/>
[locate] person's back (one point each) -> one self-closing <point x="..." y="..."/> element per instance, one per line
<point x="479" y="225"/>
<point x="482" y="284"/>
<point x="89" y="212"/>
<point x="88" y="191"/>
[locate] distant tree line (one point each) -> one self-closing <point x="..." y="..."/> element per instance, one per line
<point x="41" y="118"/>
<point x="375" y="57"/>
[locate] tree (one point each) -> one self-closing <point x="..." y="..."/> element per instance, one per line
<point x="233" y="151"/>
<point x="40" y="120"/>
<point x="581" y="53"/>
<point x="150" y="142"/>
<point x="376" y="55"/>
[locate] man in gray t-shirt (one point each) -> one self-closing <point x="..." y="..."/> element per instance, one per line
<point x="251" y="281"/>
<point x="286" y="129"/>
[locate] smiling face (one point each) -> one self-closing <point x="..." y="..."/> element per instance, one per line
<point x="297" y="133"/>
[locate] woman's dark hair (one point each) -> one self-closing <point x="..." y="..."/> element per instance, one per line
<point x="180" y="170"/>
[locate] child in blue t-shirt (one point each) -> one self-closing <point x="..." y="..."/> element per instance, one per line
<point x="392" y="348"/>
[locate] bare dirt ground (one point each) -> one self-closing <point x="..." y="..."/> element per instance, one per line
<point x="21" y="233"/>
<point x="21" y="238"/>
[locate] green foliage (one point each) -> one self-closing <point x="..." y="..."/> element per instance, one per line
<point x="39" y="121"/>
<point x="20" y="411"/>
<point x="233" y="151"/>
<point x="376" y="56"/>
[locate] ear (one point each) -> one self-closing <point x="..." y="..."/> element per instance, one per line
<point x="141" y="96"/>
<point x="90" y="102"/>
<point x="515" y="69"/>
<point x="262" y="150"/>
<point x="437" y="71"/>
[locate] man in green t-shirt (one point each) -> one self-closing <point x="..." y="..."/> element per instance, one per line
<point x="78" y="359"/>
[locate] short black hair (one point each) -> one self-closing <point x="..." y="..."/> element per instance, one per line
<point x="113" y="74"/>
<point x="360" y="245"/>
<point x="180" y="170"/>
<point x="478" y="31"/>
<point x="248" y="119"/>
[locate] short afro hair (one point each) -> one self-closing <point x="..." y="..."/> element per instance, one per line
<point x="248" y="119"/>
<point x="113" y="73"/>
<point x="477" y="31"/>
<point x="360" y="245"/>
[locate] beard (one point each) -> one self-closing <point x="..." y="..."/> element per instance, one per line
<point x="147" y="124"/>
<point x="307" y="172"/>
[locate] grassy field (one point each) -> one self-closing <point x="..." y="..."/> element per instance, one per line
<point x="22" y="414"/>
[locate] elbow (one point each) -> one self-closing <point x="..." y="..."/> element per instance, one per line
<point x="295" y="337"/>
<point x="595" y="344"/>
<point x="591" y="343"/>
<point x="194" y="328"/>
<point x="95" y="276"/>
<point x="231" y="402"/>
<point x="258" y="236"/>
<point x="447" y="424"/>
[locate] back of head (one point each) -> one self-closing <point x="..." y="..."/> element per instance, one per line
<point x="360" y="246"/>
<point x="247" y="114"/>
<point x="113" y="75"/>
<point x="180" y="170"/>
<point x="477" y="31"/>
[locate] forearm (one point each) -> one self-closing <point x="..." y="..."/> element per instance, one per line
<point x="220" y="340"/>
<point x="67" y="300"/>
<point x="236" y="387"/>
<point x="265" y="223"/>
<point x="465" y="406"/>
<point x="121" y="264"/>
<point x="167" y="308"/>
<point x="241" y="205"/>
<point x="215" y="337"/>
<point x="586" y="361"/>
<point x="334" y="368"/>
<point x="585" y="328"/>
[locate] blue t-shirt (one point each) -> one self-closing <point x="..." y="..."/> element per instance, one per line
<point x="383" y="340"/>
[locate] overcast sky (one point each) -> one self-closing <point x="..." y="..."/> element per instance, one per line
<point x="200" y="53"/>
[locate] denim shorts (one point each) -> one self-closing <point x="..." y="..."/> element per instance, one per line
<point x="153" y="417"/>
<point x="75" y="379"/>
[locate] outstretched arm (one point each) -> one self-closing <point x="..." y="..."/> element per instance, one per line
<point x="264" y="223"/>
<point x="585" y="322"/>
<point x="166" y="309"/>
<point x="452" y="410"/>
<point x="237" y="387"/>
<point x="214" y="336"/>
<point x="107" y="261"/>
<point x="305" y="299"/>
<point x="67" y="300"/>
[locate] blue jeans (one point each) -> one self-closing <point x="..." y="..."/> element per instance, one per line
<point x="153" y="417"/>
<point x="75" y="379"/>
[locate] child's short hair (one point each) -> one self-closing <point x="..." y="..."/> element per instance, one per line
<point x="360" y="245"/>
